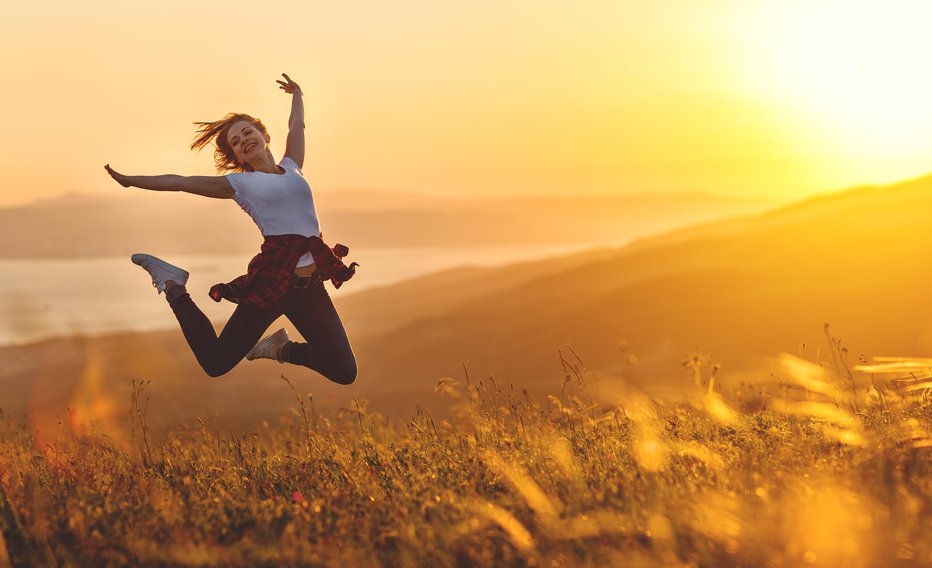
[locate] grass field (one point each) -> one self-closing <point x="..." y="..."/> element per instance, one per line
<point x="825" y="466"/>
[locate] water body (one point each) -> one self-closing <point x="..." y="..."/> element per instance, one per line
<point x="40" y="299"/>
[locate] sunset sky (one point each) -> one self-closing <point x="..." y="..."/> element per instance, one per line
<point x="776" y="99"/>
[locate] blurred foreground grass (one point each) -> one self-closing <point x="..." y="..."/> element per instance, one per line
<point x="826" y="466"/>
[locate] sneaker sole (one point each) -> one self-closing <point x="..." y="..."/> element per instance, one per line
<point x="140" y="259"/>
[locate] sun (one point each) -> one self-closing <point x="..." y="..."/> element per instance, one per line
<point x="859" y="69"/>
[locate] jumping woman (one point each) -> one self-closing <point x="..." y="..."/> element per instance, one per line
<point x="286" y="277"/>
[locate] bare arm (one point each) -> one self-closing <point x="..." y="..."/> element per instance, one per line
<point x="294" y="146"/>
<point x="208" y="186"/>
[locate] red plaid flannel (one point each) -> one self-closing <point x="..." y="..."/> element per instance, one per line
<point x="271" y="272"/>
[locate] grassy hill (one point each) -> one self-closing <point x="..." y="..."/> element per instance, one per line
<point x="829" y="474"/>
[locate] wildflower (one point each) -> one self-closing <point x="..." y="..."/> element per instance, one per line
<point x="297" y="496"/>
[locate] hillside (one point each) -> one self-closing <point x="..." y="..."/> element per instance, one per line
<point x="738" y="291"/>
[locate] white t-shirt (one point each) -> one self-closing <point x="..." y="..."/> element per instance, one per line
<point x="280" y="204"/>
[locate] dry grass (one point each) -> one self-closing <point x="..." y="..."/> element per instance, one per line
<point x="828" y="466"/>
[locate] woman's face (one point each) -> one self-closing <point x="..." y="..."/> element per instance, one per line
<point x="246" y="141"/>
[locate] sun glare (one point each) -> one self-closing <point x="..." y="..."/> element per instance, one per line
<point x="856" y="69"/>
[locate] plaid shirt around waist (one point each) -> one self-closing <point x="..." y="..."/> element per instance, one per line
<point x="271" y="272"/>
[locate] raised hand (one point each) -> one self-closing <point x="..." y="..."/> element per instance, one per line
<point x="288" y="85"/>
<point x="120" y="178"/>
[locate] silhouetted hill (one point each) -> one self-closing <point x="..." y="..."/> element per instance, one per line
<point x="177" y="223"/>
<point x="740" y="291"/>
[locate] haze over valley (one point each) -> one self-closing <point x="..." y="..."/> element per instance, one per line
<point x="738" y="292"/>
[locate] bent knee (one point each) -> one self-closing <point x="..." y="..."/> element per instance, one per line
<point x="215" y="371"/>
<point x="344" y="376"/>
<point x="344" y="379"/>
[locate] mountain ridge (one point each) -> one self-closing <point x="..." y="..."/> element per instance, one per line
<point x="738" y="297"/>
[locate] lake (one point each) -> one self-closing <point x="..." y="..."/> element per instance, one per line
<point x="47" y="298"/>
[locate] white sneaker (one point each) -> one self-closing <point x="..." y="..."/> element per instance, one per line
<point x="160" y="271"/>
<point x="269" y="347"/>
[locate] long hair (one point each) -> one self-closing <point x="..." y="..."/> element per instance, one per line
<point x="216" y="132"/>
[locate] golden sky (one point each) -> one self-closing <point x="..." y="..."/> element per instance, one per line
<point x="765" y="98"/>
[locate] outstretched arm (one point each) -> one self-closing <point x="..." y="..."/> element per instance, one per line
<point x="208" y="186"/>
<point x="294" y="147"/>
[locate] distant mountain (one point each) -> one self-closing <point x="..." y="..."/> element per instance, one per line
<point x="176" y="223"/>
<point x="739" y="291"/>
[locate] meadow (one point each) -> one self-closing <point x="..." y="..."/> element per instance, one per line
<point x="829" y="464"/>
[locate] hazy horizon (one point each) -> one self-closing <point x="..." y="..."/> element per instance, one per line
<point x="393" y="239"/>
<point x="741" y="289"/>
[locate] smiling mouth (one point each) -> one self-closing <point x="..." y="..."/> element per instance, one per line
<point x="249" y="148"/>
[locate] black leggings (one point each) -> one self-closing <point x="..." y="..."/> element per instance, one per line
<point x="328" y="350"/>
